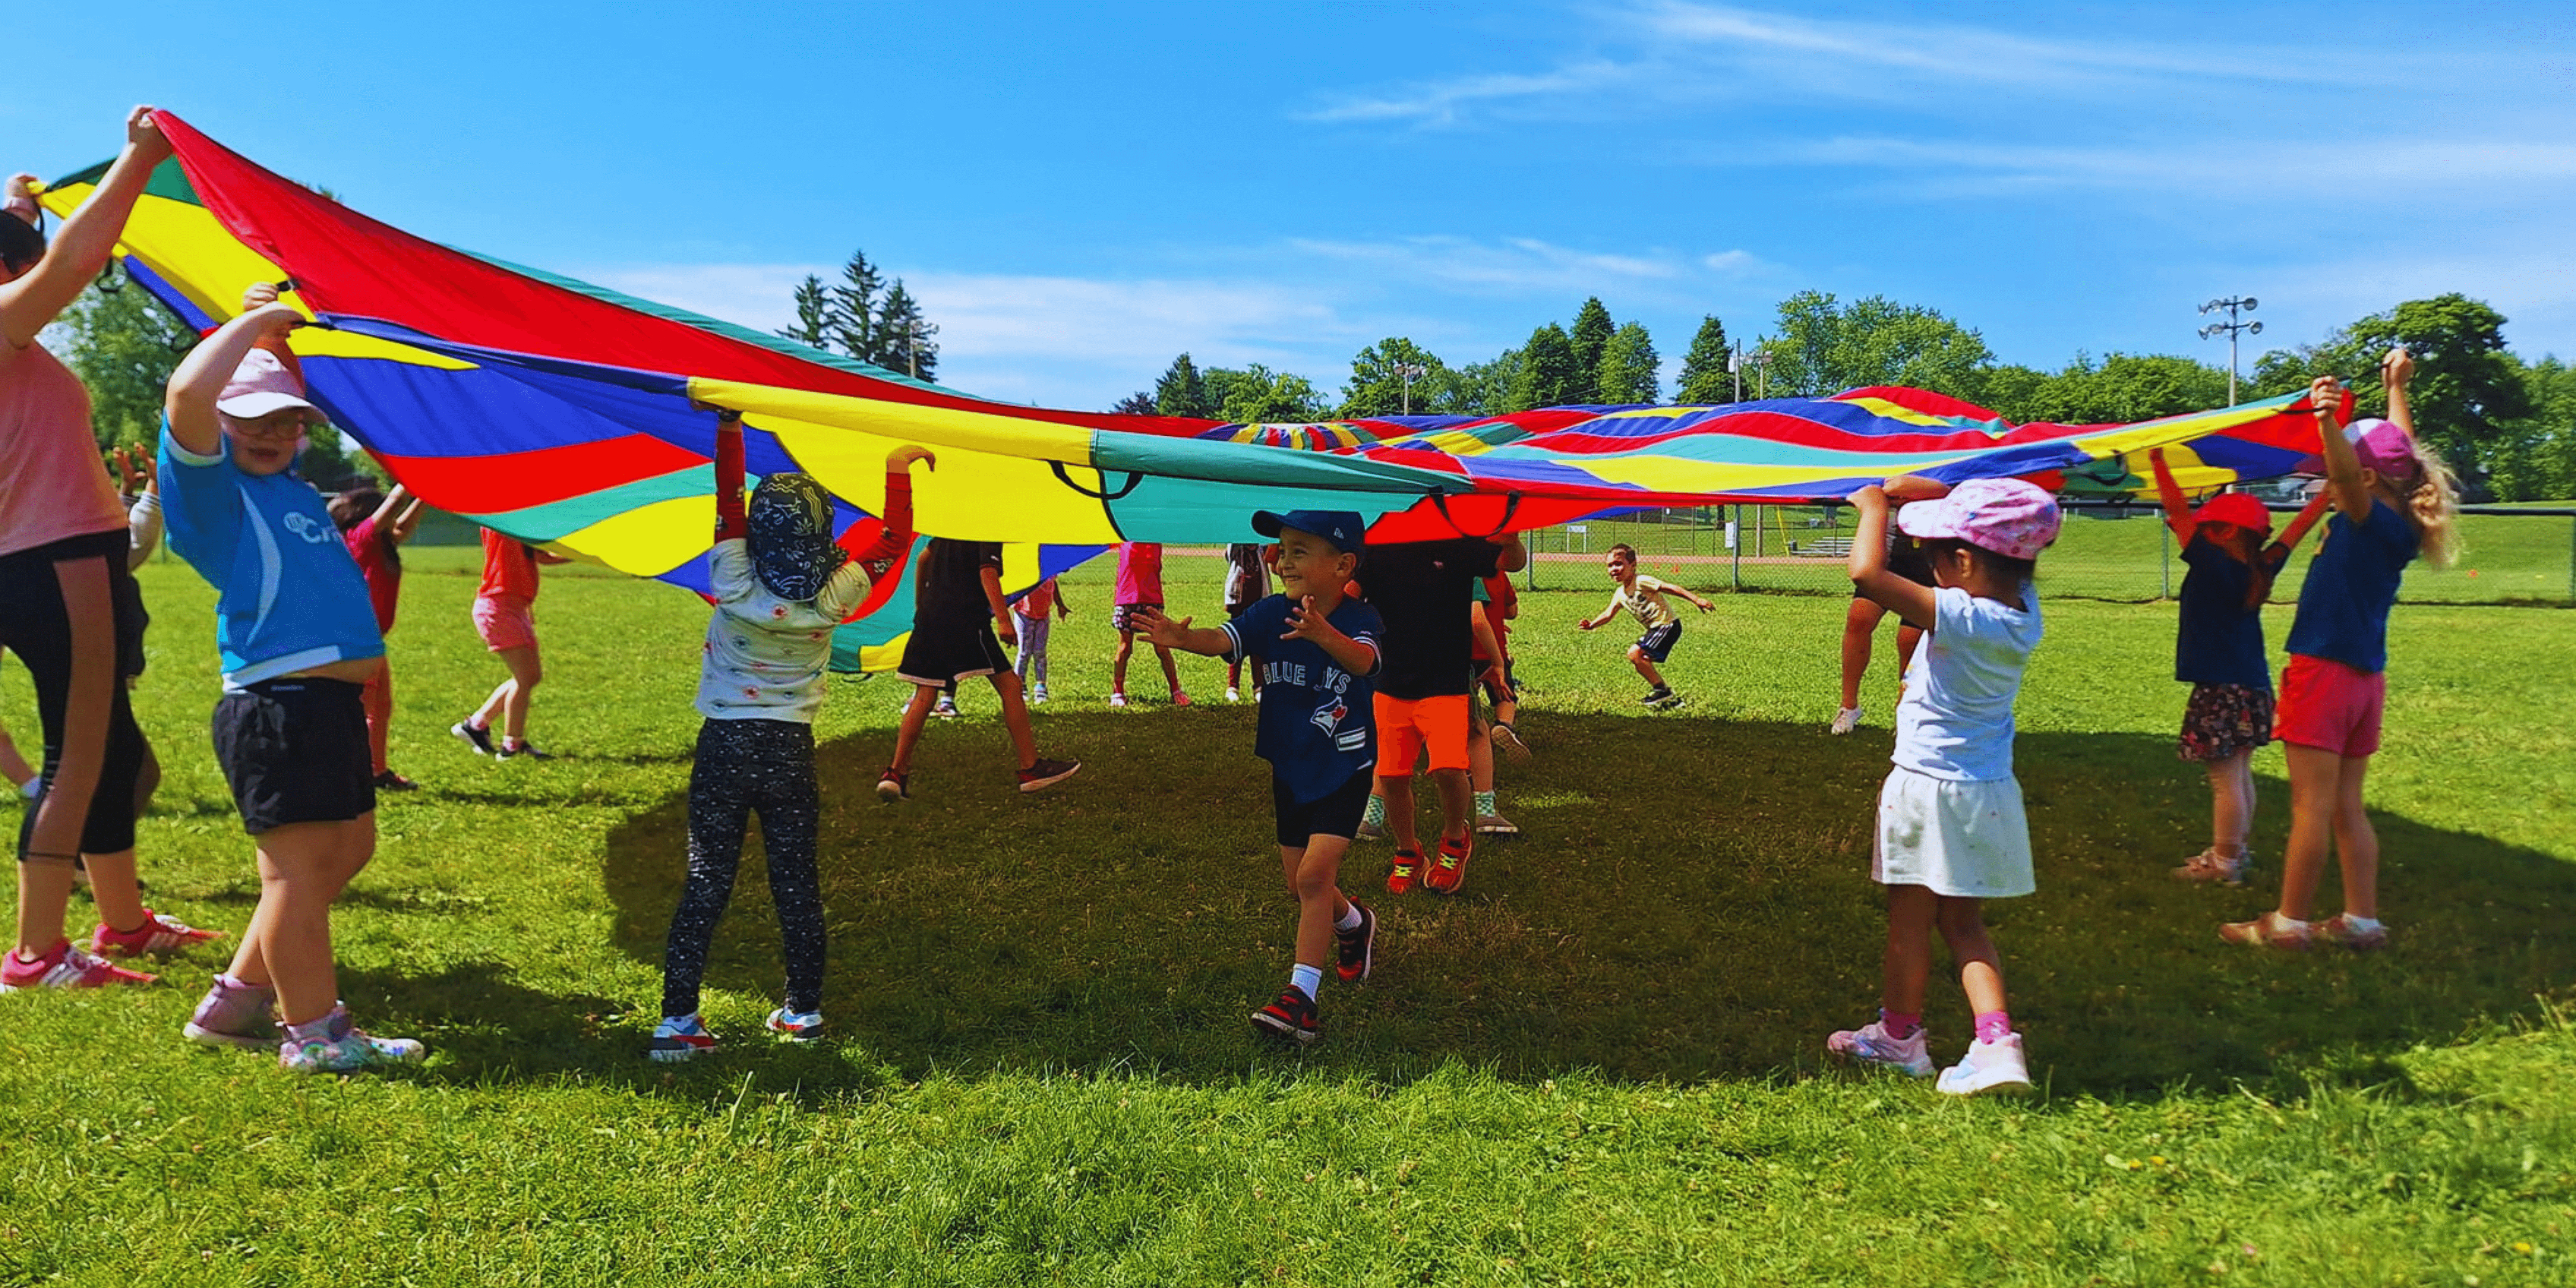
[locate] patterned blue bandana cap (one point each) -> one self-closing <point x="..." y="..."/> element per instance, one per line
<point x="791" y="536"/>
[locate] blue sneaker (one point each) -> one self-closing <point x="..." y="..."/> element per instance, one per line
<point x="796" y="1026"/>
<point x="679" y="1038"/>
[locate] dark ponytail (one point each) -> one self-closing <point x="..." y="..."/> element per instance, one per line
<point x="20" y="244"/>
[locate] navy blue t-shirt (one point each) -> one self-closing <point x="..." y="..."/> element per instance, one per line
<point x="2343" y="608"/>
<point x="2221" y="640"/>
<point x="1318" y="723"/>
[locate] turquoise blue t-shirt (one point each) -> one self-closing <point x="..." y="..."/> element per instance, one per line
<point x="2343" y="605"/>
<point x="288" y="596"/>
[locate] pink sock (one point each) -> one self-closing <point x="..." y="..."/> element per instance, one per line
<point x="1898" y="1024"/>
<point x="1993" y="1026"/>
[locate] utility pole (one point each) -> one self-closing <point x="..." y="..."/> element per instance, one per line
<point x="2232" y="306"/>
<point x="1410" y="372"/>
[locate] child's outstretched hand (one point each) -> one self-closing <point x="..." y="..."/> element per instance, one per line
<point x="902" y="458"/>
<point x="2397" y="368"/>
<point x="1915" y="487"/>
<point x="260" y="295"/>
<point x="1305" y="623"/>
<point x="133" y="481"/>
<point x="1156" y="628"/>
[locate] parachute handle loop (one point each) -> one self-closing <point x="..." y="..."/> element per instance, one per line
<point x="1511" y="506"/>
<point x="1134" y="477"/>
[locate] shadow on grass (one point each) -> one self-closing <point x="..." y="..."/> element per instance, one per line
<point x="1691" y="900"/>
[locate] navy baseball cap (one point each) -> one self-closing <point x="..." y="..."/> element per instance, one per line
<point x="1343" y="528"/>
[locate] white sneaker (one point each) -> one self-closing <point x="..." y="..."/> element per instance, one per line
<point x="1870" y="1044"/>
<point x="1988" y="1066"/>
<point x="1846" y="720"/>
<point x="1233" y="694"/>
<point x="1117" y="699"/>
<point x="1038" y="693"/>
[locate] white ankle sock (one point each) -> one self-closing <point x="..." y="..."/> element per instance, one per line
<point x="1308" y="980"/>
<point x="1350" y="919"/>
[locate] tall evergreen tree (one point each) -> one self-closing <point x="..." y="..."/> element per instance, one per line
<point x="1705" y="380"/>
<point x="1630" y="368"/>
<point x="1180" y="391"/>
<point x="1592" y="332"/>
<point x="854" y="309"/>
<point x="1139" y="403"/>
<point x="1547" y="372"/>
<point x="813" y="314"/>
<point x="905" y="340"/>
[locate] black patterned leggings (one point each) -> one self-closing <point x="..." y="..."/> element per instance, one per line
<point x="743" y="766"/>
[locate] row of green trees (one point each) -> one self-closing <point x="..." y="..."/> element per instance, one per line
<point x="2508" y="425"/>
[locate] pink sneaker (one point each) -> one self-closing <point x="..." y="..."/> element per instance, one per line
<point x="2341" y="929"/>
<point x="1870" y="1044"/>
<point x="159" y="933"/>
<point x="65" y="967"/>
<point x="2271" y="930"/>
<point x="1180" y="699"/>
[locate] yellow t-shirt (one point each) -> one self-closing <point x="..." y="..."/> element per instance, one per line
<point x="1646" y="600"/>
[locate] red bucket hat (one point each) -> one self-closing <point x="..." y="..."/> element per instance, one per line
<point x="2236" y="508"/>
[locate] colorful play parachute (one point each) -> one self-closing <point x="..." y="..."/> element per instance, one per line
<point x="562" y="413"/>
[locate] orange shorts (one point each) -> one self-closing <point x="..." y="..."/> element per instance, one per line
<point x="1408" y="727"/>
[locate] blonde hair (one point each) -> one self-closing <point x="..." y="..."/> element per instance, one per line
<point x="2433" y="505"/>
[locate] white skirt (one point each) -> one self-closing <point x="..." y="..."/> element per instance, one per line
<point x="1963" y="840"/>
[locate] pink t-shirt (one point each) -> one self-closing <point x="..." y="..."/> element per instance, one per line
<point x="1140" y="572"/>
<point x="52" y="484"/>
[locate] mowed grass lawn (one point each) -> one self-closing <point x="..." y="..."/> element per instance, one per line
<point x="1601" y="1064"/>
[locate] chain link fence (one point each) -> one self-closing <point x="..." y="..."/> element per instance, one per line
<point x="2106" y="550"/>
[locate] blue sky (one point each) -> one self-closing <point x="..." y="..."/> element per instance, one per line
<point x="1078" y="192"/>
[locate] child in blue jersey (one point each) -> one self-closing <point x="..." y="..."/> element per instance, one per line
<point x="2218" y="650"/>
<point x="299" y="641"/>
<point x="2393" y="500"/>
<point x="1318" y="652"/>
<point x="1951" y="830"/>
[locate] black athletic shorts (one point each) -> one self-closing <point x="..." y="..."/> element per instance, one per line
<point x="1905" y="559"/>
<point x="295" y="751"/>
<point x="1336" y="813"/>
<point x="1658" y="642"/>
<point x="939" y="656"/>
<point x="35" y="627"/>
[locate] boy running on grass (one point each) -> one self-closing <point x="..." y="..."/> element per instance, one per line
<point x="956" y="603"/>
<point x="1318" y="652"/>
<point x="1644" y="596"/>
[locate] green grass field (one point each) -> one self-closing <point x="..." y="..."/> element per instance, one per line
<point x="1599" y="1065"/>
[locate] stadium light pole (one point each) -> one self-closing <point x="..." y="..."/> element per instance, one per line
<point x="2233" y="306"/>
<point x="1410" y="372"/>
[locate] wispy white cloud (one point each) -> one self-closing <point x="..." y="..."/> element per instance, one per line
<point x="1444" y="102"/>
<point x="1954" y="52"/>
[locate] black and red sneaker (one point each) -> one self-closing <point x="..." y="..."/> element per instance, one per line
<point x="893" y="786"/>
<point x="1047" y="773"/>
<point x="1358" y="945"/>
<point x="1400" y="876"/>
<point x="1292" y="1016"/>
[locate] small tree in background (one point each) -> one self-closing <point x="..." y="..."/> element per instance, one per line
<point x="124" y="345"/>
<point x="1546" y="377"/>
<point x="1591" y="339"/>
<point x="1139" y="403"/>
<point x="1630" y="368"/>
<point x="1705" y="380"/>
<point x="813" y="314"/>
<point x="1180" y="391"/>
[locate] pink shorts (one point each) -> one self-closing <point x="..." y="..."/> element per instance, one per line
<point x="2330" y="706"/>
<point x="506" y="623"/>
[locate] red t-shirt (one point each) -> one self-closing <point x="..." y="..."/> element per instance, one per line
<point x="374" y="551"/>
<point x="509" y="568"/>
